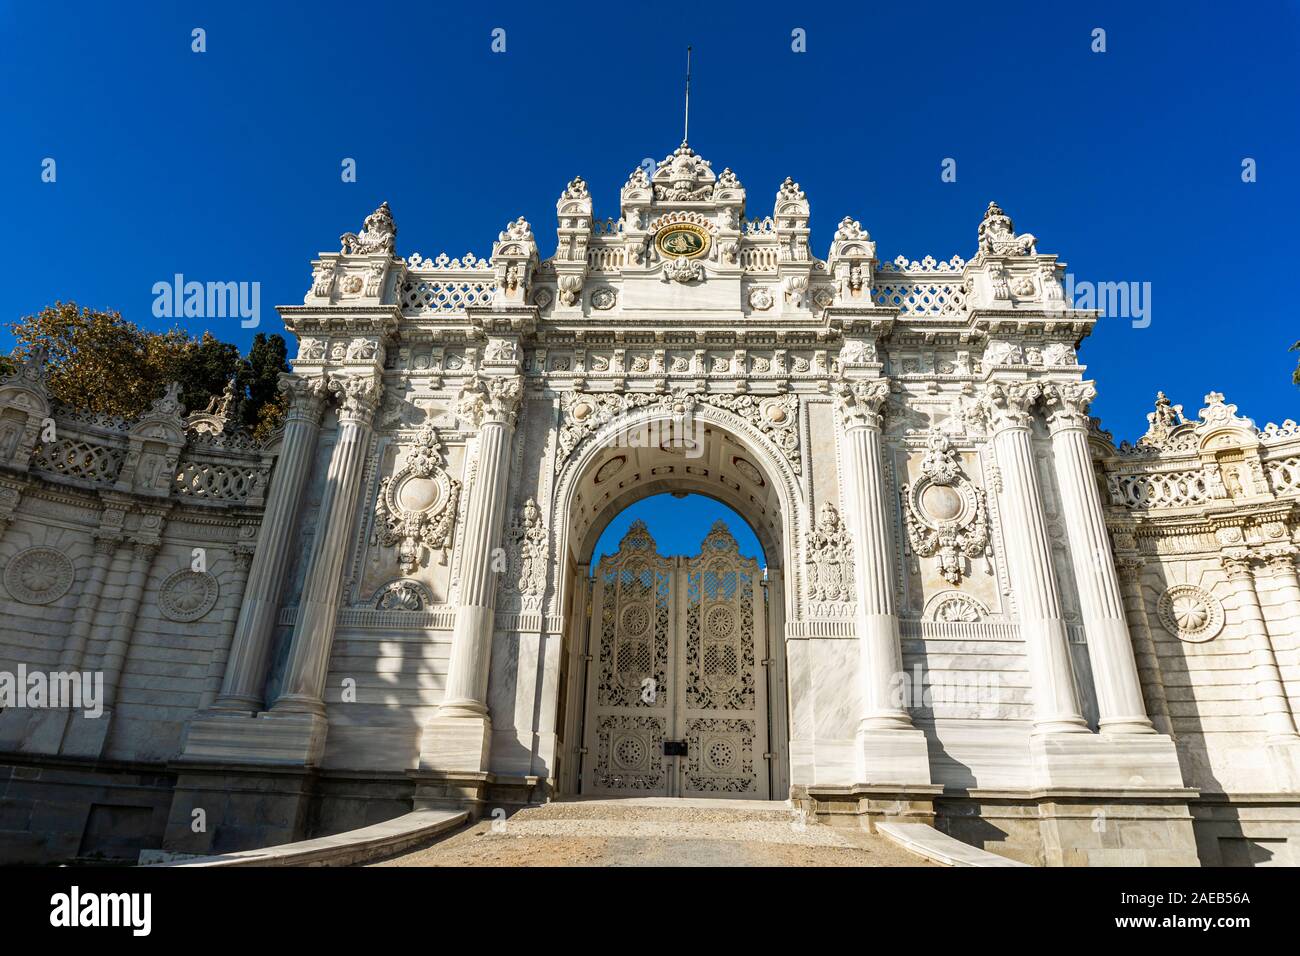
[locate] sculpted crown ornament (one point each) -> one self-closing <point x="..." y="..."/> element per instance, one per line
<point x="378" y="234"/>
<point x="790" y="192"/>
<point x="997" y="235"/>
<point x="31" y="373"/>
<point x="1161" y="422"/>
<point x="849" y="228"/>
<point x="577" y="189"/>
<point x="518" y="231"/>
<point x="1218" y="414"/>
<point x="683" y="177"/>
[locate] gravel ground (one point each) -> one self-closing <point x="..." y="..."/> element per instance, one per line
<point x="618" y="833"/>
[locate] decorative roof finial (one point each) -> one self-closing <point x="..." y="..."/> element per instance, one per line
<point x="686" y="122"/>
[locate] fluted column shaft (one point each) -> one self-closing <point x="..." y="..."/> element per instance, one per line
<point x="88" y="601"/>
<point x="1269" y="691"/>
<point x="245" y="667"/>
<point x="1280" y="564"/>
<point x="1144" y="646"/>
<point x="303" y="687"/>
<point x="115" y="653"/>
<point x="880" y="655"/>
<point x="234" y="583"/>
<point x="1114" y="670"/>
<point x="1029" y="561"/>
<point x="471" y="649"/>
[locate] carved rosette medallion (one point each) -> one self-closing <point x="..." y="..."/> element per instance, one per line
<point x="187" y="595"/>
<point x="945" y="514"/>
<point x="417" y="506"/>
<point x="39" y="575"/>
<point x="1190" y="613"/>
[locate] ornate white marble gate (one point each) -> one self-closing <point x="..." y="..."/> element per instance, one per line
<point x="676" y="677"/>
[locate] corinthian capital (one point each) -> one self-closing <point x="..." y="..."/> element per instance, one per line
<point x="1067" y="404"/>
<point x="861" y="401"/>
<point x="1008" y="404"/>
<point x="492" y="399"/>
<point x="358" y="397"/>
<point x="306" y="394"/>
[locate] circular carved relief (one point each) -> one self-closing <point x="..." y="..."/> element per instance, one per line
<point x="636" y="620"/>
<point x="683" y="241"/>
<point x="603" y="299"/>
<point x="610" y="468"/>
<point x="760" y="298"/>
<point x="720" y="755"/>
<point x="720" y="621"/>
<point x="747" y="469"/>
<point x="941" y="503"/>
<point x="187" y="595"/>
<point x="418" y="494"/>
<point x="629" y="752"/>
<point x="39" y="575"/>
<point x="1190" y="613"/>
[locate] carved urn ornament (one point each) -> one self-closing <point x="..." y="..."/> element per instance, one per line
<point x="417" y="505"/>
<point x="945" y="514"/>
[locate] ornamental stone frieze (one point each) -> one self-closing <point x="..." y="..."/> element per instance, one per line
<point x="584" y="414"/>
<point x="945" y="514"/>
<point x="861" y="401"/>
<point x="416" y="507"/>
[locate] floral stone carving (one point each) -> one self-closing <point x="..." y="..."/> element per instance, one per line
<point x="39" y="575"/>
<point x="830" y="557"/>
<point x="1190" y="613"/>
<point x="187" y="595"/>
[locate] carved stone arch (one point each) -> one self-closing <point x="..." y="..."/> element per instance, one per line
<point x="762" y="450"/>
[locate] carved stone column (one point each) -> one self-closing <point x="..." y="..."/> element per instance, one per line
<point x="245" y="671"/>
<point x="1269" y="689"/>
<point x="458" y="738"/>
<point x="106" y="545"/>
<point x="891" y="750"/>
<point x="303" y="686"/>
<point x="143" y="553"/>
<point x="1029" y="560"/>
<point x="1144" y="647"/>
<point x="241" y="561"/>
<point x="1119" y="692"/>
<point x="1280" y="566"/>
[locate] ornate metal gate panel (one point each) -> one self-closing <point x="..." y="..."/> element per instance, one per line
<point x="676" y="693"/>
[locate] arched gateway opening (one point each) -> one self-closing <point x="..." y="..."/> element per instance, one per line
<point x="674" y="679"/>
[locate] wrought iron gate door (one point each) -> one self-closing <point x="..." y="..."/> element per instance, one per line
<point x="676" y="679"/>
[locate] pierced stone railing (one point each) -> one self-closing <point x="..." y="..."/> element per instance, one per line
<point x="913" y="296"/>
<point x="446" y="295"/>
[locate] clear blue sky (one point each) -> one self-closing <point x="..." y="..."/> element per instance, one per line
<point x="225" y="165"/>
<point x="678" y="526"/>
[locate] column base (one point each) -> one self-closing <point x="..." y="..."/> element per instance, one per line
<point x="456" y="744"/>
<point x="292" y="739"/>
<point x="893" y="757"/>
<point x="1096" y="761"/>
<point x="1284" y="756"/>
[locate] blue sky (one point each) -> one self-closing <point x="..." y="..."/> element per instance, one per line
<point x="678" y="526"/>
<point x="225" y="165"/>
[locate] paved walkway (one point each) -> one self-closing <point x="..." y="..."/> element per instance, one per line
<point x="653" y="832"/>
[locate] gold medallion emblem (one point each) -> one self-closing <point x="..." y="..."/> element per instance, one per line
<point x="682" y="241"/>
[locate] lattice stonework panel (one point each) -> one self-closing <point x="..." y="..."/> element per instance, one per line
<point x="678" y="660"/>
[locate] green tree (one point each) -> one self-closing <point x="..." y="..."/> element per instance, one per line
<point x="98" y="361"/>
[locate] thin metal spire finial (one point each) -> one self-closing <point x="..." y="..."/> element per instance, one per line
<point x="686" y="124"/>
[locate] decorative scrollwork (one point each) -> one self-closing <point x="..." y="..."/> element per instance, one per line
<point x="416" y="508"/>
<point x="945" y="514"/>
